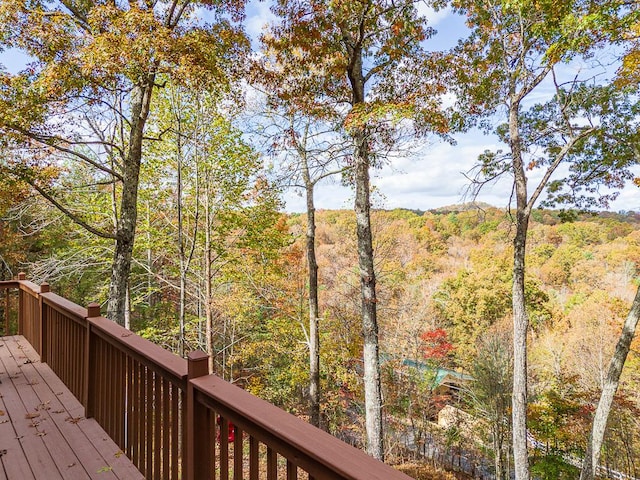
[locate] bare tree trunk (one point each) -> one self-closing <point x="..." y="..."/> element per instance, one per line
<point x="207" y="274"/>
<point x="314" y="320"/>
<point x="372" y="387"/>
<point x="126" y="229"/>
<point x="371" y="358"/>
<point x="520" y="318"/>
<point x="181" y="245"/>
<point x="612" y="380"/>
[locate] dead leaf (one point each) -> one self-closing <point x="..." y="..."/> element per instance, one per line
<point x="57" y="411"/>
<point x="118" y="454"/>
<point x="1" y="413"/>
<point x="71" y="465"/>
<point x="32" y="415"/>
<point x="42" y="434"/>
<point x="73" y="419"/>
<point x="105" y="469"/>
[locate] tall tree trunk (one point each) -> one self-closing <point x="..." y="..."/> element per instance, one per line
<point x="372" y="388"/>
<point x="126" y="228"/>
<point x="371" y="357"/>
<point x="592" y="455"/>
<point x="314" y="320"/>
<point x="207" y="273"/>
<point x="520" y="318"/>
<point x="181" y="246"/>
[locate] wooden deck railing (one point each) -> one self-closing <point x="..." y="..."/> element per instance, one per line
<point x="167" y="414"/>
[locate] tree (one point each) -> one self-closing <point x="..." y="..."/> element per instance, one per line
<point x="609" y="389"/>
<point x="353" y="59"/>
<point x="88" y="94"/>
<point x="516" y="48"/>
<point x="490" y="393"/>
<point x="307" y="151"/>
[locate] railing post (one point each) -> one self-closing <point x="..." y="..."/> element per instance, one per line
<point x="7" y="330"/>
<point x="21" y="276"/>
<point x="44" y="352"/>
<point x="198" y="441"/>
<point x="93" y="310"/>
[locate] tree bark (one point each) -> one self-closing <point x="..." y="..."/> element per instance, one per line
<point x="208" y="274"/>
<point x="520" y="318"/>
<point x="372" y="388"/>
<point x="126" y="228"/>
<point x="612" y="380"/>
<point x="371" y="357"/>
<point x="314" y="321"/>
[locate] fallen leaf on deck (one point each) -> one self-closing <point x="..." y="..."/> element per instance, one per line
<point x="32" y="415"/>
<point x="104" y="469"/>
<point x="73" y="419"/>
<point x="118" y="454"/>
<point x="1" y="413"/>
<point x="71" y="465"/>
<point x="42" y="434"/>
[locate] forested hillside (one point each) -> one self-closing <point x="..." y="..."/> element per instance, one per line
<point x="444" y="293"/>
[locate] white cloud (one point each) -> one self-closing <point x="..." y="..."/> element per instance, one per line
<point x="434" y="17"/>
<point x="258" y="15"/>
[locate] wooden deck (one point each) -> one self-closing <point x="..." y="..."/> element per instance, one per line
<point x="43" y="432"/>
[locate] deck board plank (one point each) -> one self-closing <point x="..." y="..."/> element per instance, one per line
<point x="14" y="463"/>
<point x="38" y="456"/>
<point x="38" y="417"/>
<point x="73" y="447"/>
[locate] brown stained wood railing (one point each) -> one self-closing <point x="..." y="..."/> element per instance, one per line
<point x="167" y="414"/>
<point x="137" y="393"/>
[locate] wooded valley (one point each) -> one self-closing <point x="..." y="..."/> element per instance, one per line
<point x="445" y="302"/>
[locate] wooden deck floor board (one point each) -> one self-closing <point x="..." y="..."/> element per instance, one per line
<point x="13" y="461"/>
<point x="58" y="440"/>
<point x="37" y="418"/>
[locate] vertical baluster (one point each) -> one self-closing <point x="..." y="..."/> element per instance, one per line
<point x="272" y="464"/>
<point x="149" y="417"/>
<point x="166" y="429"/>
<point x="254" y="465"/>
<point x="224" y="448"/>
<point x="237" y="453"/>
<point x="157" y="431"/>
<point x="130" y="407"/>
<point x="135" y="417"/>
<point x="175" y="432"/>
<point x="121" y="395"/>
<point x="292" y="471"/>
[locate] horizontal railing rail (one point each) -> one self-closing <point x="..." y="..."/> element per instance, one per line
<point x="167" y="414"/>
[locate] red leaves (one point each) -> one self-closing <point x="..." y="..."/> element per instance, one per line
<point x="436" y="346"/>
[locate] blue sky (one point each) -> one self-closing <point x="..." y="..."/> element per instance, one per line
<point x="432" y="178"/>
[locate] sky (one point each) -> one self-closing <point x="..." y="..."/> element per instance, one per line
<point x="432" y="178"/>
